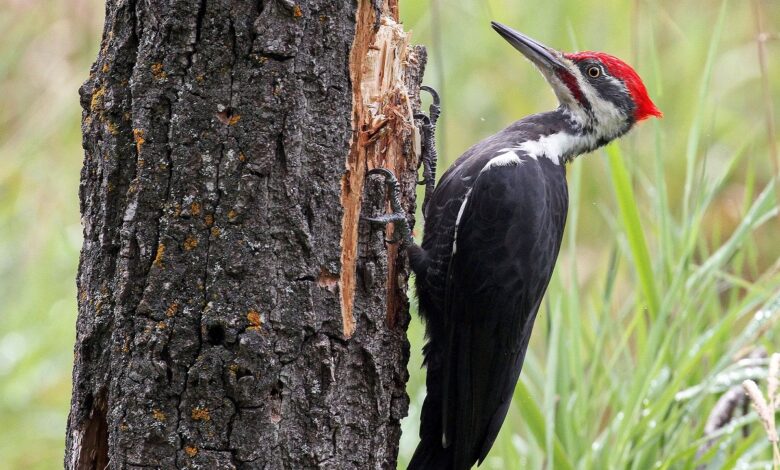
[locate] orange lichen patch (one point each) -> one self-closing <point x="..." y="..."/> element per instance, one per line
<point x="113" y="128"/>
<point x="381" y="114"/>
<point x="96" y="103"/>
<point x="297" y="11"/>
<point x="190" y="243"/>
<point x="328" y="280"/>
<point x="199" y="78"/>
<point x="200" y="414"/>
<point x="241" y="157"/>
<point x="138" y="136"/>
<point x="215" y="232"/>
<point x="162" y="325"/>
<point x="172" y="310"/>
<point x="195" y="208"/>
<point x="232" y="214"/>
<point x="105" y="68"/>
<point x="209" y="219"/>
<point x="158" y="72"/>
<point x="158" y="258"/>
<point x="158" y="415"/>
<point x="226" y="116"/>
<point x="254" y="318"/>
<point x="191" y="451"/>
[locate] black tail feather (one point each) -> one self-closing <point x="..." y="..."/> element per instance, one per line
<point x="430" y="455"/>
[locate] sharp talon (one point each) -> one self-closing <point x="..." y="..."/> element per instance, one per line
<point x="434" y="94"/>
<point x="424" y="118"/>
<point x="428" y="156"/>
<point x="397" y="216"/>
<point x="381" y="171"/>
<point x="434" y="110"/>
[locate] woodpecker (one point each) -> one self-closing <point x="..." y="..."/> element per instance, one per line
<point x="493" y="229"/>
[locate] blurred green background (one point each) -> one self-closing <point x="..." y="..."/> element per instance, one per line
<point x="671" y="247"/>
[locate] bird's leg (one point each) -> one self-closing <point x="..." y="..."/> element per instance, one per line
<point x="428" y="155"/>
<point x="401" y="233"/>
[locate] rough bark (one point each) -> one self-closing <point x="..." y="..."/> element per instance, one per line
<point x="233" y="312"/>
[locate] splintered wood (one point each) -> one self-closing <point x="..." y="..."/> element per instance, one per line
<point x="383" y="123"/>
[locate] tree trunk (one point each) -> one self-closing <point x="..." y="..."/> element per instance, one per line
<point x="233" y="311"/>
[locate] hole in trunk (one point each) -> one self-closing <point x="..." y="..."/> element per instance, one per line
<point x="216" y="334"/>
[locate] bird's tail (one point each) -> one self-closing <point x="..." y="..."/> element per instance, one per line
<point x="430" y="455"/>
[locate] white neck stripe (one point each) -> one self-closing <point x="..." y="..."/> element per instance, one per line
<point x="558" y="147"/>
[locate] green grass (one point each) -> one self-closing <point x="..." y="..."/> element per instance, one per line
<point x="46" y="48"/>
<point x="671" y="246"/>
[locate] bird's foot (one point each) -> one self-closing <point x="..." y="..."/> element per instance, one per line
<point x="429" y="157"/>
<point x="401" y="232"/>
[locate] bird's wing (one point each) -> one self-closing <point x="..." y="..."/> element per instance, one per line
<point x="506" y="244"/>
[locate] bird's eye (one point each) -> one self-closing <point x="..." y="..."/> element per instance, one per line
<point x="594" y="72"/>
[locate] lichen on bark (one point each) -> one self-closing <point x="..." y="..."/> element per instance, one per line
<point x="210" y="328"/>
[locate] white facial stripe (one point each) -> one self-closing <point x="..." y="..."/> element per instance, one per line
<point x="562" y="91"/>
<point x="611" y="120"/>
<point x="564" y="94"/>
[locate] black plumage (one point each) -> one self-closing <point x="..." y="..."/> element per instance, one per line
<point x="479" y="303"/>
<point x="493" y="229"/>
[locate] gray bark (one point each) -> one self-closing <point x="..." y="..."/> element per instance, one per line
<point x="210" y="330"/>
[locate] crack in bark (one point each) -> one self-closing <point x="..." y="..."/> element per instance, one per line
<point x="209" y="238"/>
<point x="382" y="120"/>
<point x="172" y="391"/>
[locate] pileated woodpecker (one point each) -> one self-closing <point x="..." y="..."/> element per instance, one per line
<point x="493" y="228"/>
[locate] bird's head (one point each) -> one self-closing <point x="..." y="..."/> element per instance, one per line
<point x="603" y="94"/>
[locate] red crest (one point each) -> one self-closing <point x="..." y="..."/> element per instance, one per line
<point x="619" y="69"/>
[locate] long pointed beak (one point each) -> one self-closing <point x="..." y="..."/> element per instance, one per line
<point x="548" y="60"/>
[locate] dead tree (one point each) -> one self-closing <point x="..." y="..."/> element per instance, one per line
<point x="233" y="310"/>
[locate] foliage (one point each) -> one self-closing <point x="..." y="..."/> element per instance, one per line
<point x="46" y="49"/>
<point x="669" y="252"/>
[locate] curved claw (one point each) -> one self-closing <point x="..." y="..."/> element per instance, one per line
<point x="397" y="216"/>
<point x="428" y="157"/>
<point x="424" y="118"/>
<point x="382" y="171"/>
<point x="434" y="94"/>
